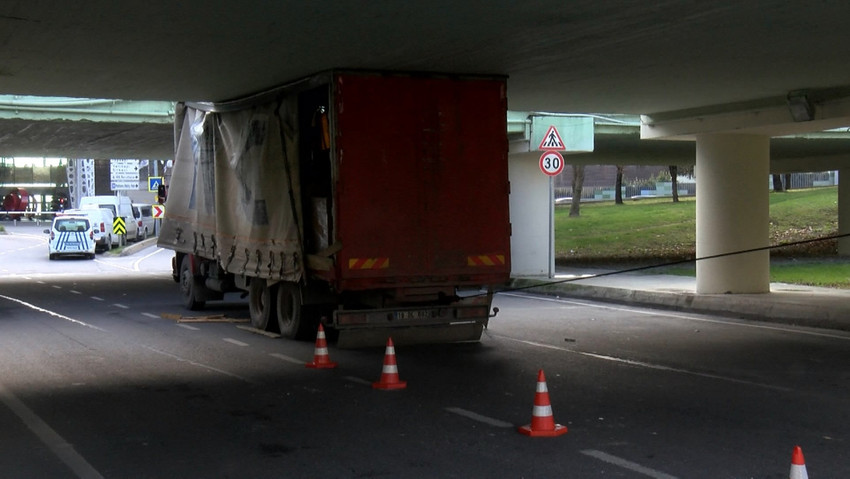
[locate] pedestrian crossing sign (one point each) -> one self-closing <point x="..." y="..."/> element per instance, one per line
<point x="552" y="140"/>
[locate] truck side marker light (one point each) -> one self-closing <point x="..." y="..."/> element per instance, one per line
<point x="389" y="373"/>
<point x="321" y="359"/>
<point x="542" y="421"/>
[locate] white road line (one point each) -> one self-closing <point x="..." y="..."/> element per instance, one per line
<point x="631" y="466"/>
<point x="233" y="341"/>
<point x="96" y="298"/>
<point x="139" y="261"/>
<point x="119" y="305"/>
<point x="642" y="364"/>
<point x="57" y="315"/>
<point x="478" y="417"/>
<point x="57" y="445"/>
<point x="287" y="358"/>
<point x="687" y="317"/>
<point x="57" y="287"/>
<point x="73" y="291"/>
<point x="150" y="315"/>
<point x="357" y="380"/>
<point x="195" y="363"/>
<point x="190" y="328"/>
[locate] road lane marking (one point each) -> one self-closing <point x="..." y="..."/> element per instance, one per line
<point x="631" y="466"/>
<point x="642" y="364"/>
<point x="190" y="328"/>
<point x="136" y="264"/>
<point x="96" y="298"/>
<point x="196" y="364"/>
<point x="57" y="287"/>
<point x="150" y="315"/>
<point x="57" y="445"/>
<point x="73" y="291"/>
<point x="118" y="305"/>
<point x="46" y="311"/>
<point x="693" y="317"/>
<point x="288" y="359"/>
<point x="478" y="417"/>
<point x="357" y="380"/>
<point x="233" y="341"/>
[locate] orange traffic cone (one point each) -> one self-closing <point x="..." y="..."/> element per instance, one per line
<point x="798" y="465"/>
<point x="542" y="421"/>
<point x="389" y="373"/>
<point x="321" y="360"/>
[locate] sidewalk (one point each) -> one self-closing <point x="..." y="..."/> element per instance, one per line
<point x="786" y="303"/>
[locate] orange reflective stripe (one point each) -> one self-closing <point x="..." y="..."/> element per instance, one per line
<point x="368" y="263"/>
<point x="485" y="260"/>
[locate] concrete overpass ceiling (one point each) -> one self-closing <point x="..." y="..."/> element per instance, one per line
<point x="573" y="56"/>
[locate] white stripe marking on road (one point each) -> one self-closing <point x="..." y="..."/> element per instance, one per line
<point x="42" y="310"/>
<point x="233" y="341"/>
<point x="631" y="466"/>
<point x="642" y="364"/>
<point x="57" y="445"/>
<point x="190" y="328"/>
<point x="287" y="358"/>
<point x="478" y="417"/>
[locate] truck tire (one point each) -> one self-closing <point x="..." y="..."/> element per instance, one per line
<point x="261" y="300"/>
<point x="190" y="286"/>
<point x="291" y="318"/>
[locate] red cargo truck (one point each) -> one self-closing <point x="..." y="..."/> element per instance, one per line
<point x="374" y="202"/>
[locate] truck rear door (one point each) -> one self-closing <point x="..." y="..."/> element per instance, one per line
<point x="422" y="190"/>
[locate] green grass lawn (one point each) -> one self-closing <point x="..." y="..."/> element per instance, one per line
<point x="655" y="231"/>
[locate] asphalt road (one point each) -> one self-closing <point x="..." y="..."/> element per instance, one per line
<point x="95" y="382"/>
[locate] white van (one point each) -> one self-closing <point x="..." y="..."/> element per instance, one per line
<point x="101" y="220"/>
<point x="120" y="206"/>
<point x="144" y="213"/>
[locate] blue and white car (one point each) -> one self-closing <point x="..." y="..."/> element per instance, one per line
<point x="71" y="235"/>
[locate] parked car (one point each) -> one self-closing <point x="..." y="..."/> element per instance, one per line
<point x="71" y="235"/>
<point x="120" y="206"/>
<point x="145" y="221"/>
<point x="101" y="219"/>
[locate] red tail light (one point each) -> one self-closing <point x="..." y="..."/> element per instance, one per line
<point x="102" y="228"/>
<point x="91" y="234"/>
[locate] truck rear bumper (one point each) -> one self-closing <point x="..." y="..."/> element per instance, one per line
<point x="402" y="335"/>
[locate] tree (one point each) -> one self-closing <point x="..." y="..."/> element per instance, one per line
<point x="674" y="182"/>
<point x="618" y="186"/>
<point x="787" y="181"/>
<point x="777" y="183"/>
<point x="578" y="182"/>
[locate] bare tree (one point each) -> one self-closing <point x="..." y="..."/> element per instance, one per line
<point x="618" y="186"/>
<point x="777" y="183"/>
<point x="674" y="182"/>
<point x="578" y="182"/>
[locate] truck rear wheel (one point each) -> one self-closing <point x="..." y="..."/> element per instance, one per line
<point x="292" y="317"/>
<point x="190" y="286"/>
<point x="261" y="304"/>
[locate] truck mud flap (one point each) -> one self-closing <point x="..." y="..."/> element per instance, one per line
<point x="446" y="333"/>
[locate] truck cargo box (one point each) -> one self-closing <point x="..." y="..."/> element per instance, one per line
<point x="374" y="198"/>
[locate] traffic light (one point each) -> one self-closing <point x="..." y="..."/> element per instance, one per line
<point x="161" y="192"/>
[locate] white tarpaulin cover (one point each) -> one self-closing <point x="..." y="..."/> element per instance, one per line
<point x="233" y="191"/>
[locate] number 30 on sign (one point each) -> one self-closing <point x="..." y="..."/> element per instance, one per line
<point x="551" y="163"/>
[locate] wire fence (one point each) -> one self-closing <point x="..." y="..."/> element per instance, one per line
<point x="656" y="189"/>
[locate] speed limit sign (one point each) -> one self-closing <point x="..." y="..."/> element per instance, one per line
<point x="551" y="163"/>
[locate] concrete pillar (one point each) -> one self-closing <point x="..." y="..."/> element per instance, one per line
<point x="732" y="212"/>
<point x="844" y="211"/>
<point x="532" y="251"/>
